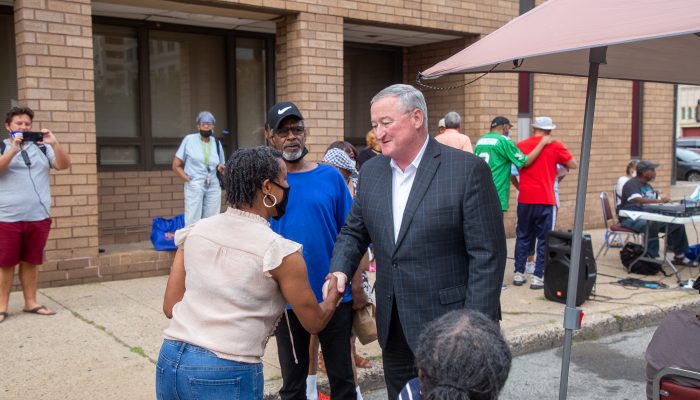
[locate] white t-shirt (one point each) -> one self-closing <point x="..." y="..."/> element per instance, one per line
<point x="618" y="188"/>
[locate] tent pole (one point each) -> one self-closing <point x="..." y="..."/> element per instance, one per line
<point x="572" y="315"/>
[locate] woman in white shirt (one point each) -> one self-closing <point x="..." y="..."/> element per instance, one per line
<point x="229" y="283"/>
<point x="629" y="174"/>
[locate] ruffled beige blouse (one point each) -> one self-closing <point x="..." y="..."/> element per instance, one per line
<point x="231" y="304"/>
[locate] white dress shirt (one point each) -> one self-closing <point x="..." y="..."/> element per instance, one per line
<point x="401" y="183"/>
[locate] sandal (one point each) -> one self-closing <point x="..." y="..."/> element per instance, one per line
<point x="4" y="316"/>
<point x="361" y="362"/>
<point x="36" y="310"/>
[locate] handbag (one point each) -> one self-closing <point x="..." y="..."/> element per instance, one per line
<point x="363" y="324"/>
<point x="163" y="232"/>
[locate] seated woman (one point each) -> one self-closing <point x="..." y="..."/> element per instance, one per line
<point x="228" y="287"/>
<point x="630" y="173"/>
<point x="461" y="356"/>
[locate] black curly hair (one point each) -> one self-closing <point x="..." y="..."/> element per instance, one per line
<point x="462" y="356"/>
<point x="246" y="170"/>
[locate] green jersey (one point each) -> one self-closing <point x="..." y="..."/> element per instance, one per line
<point x="500" y="152"/>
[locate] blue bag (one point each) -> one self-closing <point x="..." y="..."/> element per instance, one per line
<point x="163" y="232"/>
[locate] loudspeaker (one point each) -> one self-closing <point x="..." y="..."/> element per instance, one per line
<point x="556" y="267"/>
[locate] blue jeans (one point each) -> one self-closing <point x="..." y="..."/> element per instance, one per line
<point x="677" y="238"/>
<point x="201" y="200"/>
<point x="185" y="371"/>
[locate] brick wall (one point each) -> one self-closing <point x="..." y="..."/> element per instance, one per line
<point x="128" y="201"/>
<point x="657" y="131"/>
<point x="313" y="54"/>
<point x="55" y="79"/>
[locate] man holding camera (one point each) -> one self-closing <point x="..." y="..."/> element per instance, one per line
<point x="25" y="160"/>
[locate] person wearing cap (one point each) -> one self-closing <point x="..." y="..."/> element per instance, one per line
<point x="536" y="198"/>
<point x="451" y="136"/>
<point x="441" y="126"/>
<point x="433" y="217"/>
<point x="319" y="201"/>
<point x="500" y="153"/>
<point x="196" y="162"/>
<point x="637" y="192"/>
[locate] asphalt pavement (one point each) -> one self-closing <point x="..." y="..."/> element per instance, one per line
<point x="610" y="367"/>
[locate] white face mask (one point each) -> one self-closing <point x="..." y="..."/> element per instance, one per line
<point x="634" y="173"/>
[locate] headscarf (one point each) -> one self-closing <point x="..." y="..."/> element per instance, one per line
<point x="342" y="160"/>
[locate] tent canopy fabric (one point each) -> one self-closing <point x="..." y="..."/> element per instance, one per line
<point x="648" y="40"/>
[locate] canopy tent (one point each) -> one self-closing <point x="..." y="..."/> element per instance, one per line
<point x="648" y="40"/>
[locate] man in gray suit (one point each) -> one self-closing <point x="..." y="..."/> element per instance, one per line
<point x="435" y="220"/>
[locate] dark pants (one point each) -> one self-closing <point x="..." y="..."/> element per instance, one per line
<point x="398" y="359"/>
<point x="335" y="344"/>
<point x="533" y="220"/>
<point x="677" y="238"/>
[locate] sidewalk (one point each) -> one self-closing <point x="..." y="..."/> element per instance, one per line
<point x="105" y="339"/>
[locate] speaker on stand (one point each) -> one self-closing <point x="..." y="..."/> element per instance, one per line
<point x="556" y="267"/>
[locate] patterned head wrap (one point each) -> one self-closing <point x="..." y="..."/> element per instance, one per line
<point x="342" y="160"/>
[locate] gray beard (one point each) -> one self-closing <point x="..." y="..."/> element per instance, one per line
<point x="293" y="156"/>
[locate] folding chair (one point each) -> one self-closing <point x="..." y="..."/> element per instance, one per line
<point x="664" y="388"/>
<point x="612" y="231"/>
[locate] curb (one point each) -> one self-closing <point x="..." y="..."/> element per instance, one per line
<point x="530" y="340"/>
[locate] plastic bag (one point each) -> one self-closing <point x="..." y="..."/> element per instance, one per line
<point x="163" y="232"/>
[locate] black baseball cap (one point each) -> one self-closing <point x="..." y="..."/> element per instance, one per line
<point x="277" y="113"/>
<point x="645" y="165"/>
<point x="500" y="121"/>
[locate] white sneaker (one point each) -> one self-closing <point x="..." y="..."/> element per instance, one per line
<point x="536" y="283"/>
<point x="530" y="267"/>
<point x="519" y="279"/>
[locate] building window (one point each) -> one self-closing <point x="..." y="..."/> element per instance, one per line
<point x="8" y="66"/>
<point x="251" y="86"/>
<point x="117" y="94"/>
<point x="682" y="113"/>
<point x="152" y="80"/>
<point x="184" y="81"/>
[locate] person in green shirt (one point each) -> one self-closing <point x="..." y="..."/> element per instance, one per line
<point x="500" y="152"/>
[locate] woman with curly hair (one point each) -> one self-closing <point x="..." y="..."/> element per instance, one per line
<point x="461" y="356"/>
<point x="228" y="287"/>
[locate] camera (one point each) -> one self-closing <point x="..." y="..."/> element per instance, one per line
<point x="29" y="136"/>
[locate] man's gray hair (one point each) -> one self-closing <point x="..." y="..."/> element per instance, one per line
<point x="409" y="97"/>
<point x="452" y="120"/>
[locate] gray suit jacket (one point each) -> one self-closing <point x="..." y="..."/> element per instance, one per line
<point x="451" y="248"/>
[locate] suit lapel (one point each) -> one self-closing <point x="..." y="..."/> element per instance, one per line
<point x="424" y="175"/>
<point x="387" y="203"/>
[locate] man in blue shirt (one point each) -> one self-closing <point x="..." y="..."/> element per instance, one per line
<point x="318" y="203"/>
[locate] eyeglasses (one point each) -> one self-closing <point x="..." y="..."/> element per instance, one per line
<point x="297" y="130"/>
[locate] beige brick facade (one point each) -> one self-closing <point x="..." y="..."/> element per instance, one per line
<point x="55" y="78"/>
<point x="92" y="209"/>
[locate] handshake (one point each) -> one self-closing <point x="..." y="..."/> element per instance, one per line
<point x="334" y="286"/>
